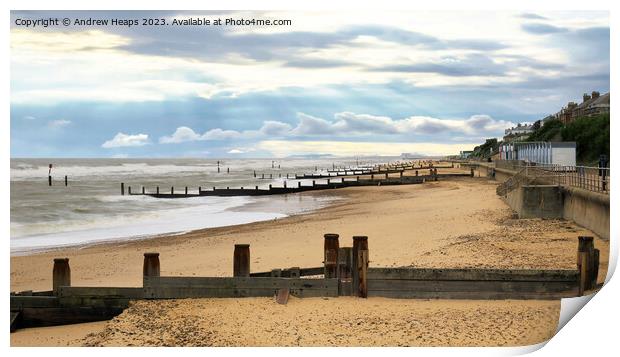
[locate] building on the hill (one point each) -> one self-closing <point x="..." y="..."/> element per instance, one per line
<point x="518" y="133"/>
<point x="592" y="104"/>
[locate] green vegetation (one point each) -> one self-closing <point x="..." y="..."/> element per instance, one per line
<point x="549" y="131"/>
<point x="591" y="135"/>
<point x="485" y="150"/>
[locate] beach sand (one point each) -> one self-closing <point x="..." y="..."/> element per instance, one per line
<point x="457" y="222"/>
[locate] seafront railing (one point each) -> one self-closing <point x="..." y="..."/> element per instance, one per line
<point x="594" y="179"/>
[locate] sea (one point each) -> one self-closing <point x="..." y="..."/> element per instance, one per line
<point x="91" y="209"/>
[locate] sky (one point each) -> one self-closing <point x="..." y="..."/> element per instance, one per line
<point x="337" y="83"/>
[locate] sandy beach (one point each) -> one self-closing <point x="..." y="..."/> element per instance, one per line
<point x="457" y="222"/>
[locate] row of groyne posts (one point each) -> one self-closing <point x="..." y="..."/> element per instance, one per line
<point x="345" y="272"/>
<point x="378" y="176"/>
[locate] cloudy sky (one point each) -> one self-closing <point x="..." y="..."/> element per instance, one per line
<point x="331" y="83"/>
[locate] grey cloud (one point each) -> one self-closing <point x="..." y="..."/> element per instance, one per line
<point x="532" y="16"/>
<point x="316" y="63"/>
<point x="542" y="29"/>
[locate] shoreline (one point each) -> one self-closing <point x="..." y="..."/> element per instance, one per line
<point x="452" y="223"/>
<point x="135" y="238"/>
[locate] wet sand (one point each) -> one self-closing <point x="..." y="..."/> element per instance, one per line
<point x="458" y="222"/>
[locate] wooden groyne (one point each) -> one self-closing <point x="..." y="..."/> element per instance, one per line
<point x="377" y="177"/>
<point x="345" y="272"/>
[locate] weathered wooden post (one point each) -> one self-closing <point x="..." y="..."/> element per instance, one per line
<point x="270" y="176"/>
<point x="416" y="172"/>
<point x="254" y="173"/>
<point x="218" y="166"/>
<point x="313" y="183"/>
<point x="345" y="266"/>
<point x="241" y="260"/>
<point x="150" y="267"/>
<point x="587" y="264"/>
<point x="372" y="177"/>
<point x="143" y="190"/>
<point x="263" y="176"/>
<point x="129" y="190"/>
<point x="328" y="181"/>
<point x="61" y="274"/>
<point x="471" y="172"/>
<point x="401" y="174"/>
<point x="49" y="180"/>
<point x="298" y="184"/>
<point x="286" y="175"/>
<point x="199" y="190"/>
<point x="357" y="179"/>
<point x="256" y="188"/>
<point x="330" y="248"/>
<point x="360" y="266"/>
<point x="122" y="189"/>
<point x="157" y="190"/>
<point x="284" y="184"/>
<point x="66" y="181"/>
<point x="172" y="190"/>
<point x="185" y="190"/>
<point x="280" y="175"/>
<point x="228" y="170"/>
<point x="269" y="187"/>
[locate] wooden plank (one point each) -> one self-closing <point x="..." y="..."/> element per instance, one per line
<point x="36" y="317"/>
<point x="287" y="273"/>
<point x="15" y="320"/>
<point x="282" y="297"/>
<point x="194" y="287"/>
<point x="473" y="286"/>
<point x="470" y="295"/>
<point x="473" y="274"/>
<point x="130" y="293"/>
<point x="19" y="302"/>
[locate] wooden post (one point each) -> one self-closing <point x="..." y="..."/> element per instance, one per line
<point x="585" y="257"/>
<point x="129" y="190"/>
<point x="199" y="190"/>
<point x="286" y="175"/>
<point x="61" y="274"/>
<point x="157" y="190"/>
<point x="313" y="183"/>
<point x="228" y="170"/>
<point x="372" y="177"/>
<point x="254" y="173"/>
<point x="416" y="172"/>
<point x="269" y="187"/>
<point x="241" y="260"/>
<point x="143" y="190"/>
<point x="471" y="174"/>
<point x="328" y="181"/>
<point x="386" y="175"/>
<point x="345" y="261"/>
<point x="185" y="190"/>
<point x="298" y="184"/>
<point x="150" y="267"/>
<point x="49" y="180"/>
<point x="172" y="190"/>
<point x="263" y="176"/>
<point x="256" y="188"/>
<point x="66" y="181"/>
<point x="357" y="179"/>
<point x="360" y="266"/>
<point x="270" y="176"/>
<point x="122" y="189"/>
<point x="284" y="184"/>
<point x="330" y="248"/>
